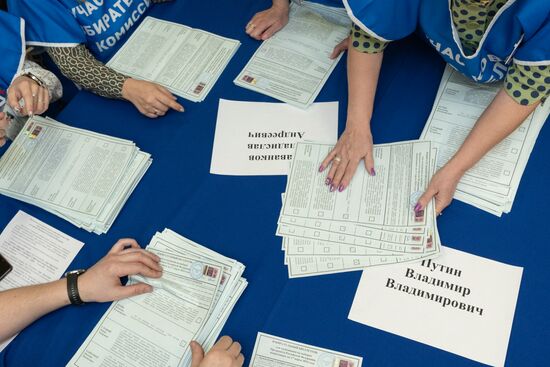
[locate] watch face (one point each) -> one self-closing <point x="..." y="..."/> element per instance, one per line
<point x="77" y="272"/>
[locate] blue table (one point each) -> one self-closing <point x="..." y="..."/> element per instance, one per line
<point x="237" y="215"/>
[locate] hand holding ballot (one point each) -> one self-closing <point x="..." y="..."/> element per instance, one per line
<point x="101" y="283"/>
<point x="225" y="353"/>
<point x="266" y="23"/>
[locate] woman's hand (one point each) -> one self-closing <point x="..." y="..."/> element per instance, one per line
<point x="442" y="186"/>
<point x="150" y="99"/>
<point x="4" y="123"/>
<point x="354" y="144"/>
<point x="266" y="23"/>
<point x="36" y="98"/>
<point x="339" y="48"/>
<point x="101" y="283"/>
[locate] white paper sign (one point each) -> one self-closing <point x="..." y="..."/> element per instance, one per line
<point x="459" y="302"/>
<point x="256" y="138"/>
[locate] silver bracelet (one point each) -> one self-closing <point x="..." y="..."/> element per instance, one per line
<point x="34" y="78"/>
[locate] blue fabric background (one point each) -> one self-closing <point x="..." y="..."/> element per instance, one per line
<point x="237" y="215"/>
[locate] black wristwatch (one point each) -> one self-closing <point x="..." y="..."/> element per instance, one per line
<point x="72" y="286"/>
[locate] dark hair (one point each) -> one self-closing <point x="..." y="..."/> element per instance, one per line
<point x="4" y="5"/>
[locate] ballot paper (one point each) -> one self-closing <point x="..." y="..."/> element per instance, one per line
<point x="191" y="301"/>
<point x="460" y="303"/>
<point x="37" y="252"/>
<point x="372" y="222"/>
<point x="492" y="183"/>
<point x="187" y="61"/>
<point x="273" y="351"/>
<point x="293" y="65"/>
<point x="255" y="138"/>
<point x="81" y="176"/>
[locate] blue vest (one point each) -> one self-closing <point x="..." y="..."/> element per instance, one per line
<point x="520" y="31"/>
<point x="12" y="51"/>
<point x="103" y="25"/>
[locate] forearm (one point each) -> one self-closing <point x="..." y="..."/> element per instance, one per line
<point x="79" y="65"/>
<point x="499" y="120"/>
<point x="363" y="72"/>
<point x="20" y="307"/>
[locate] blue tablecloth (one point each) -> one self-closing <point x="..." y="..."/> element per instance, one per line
<point x="237" y="215"/>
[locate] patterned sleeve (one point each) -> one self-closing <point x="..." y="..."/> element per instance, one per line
<point x="364" y="42"/>
<point x="528" y="84"/>
<point x="79" y="65"/>
<point x="51" y="82"/>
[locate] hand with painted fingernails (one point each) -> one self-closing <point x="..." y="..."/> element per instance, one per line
<point x="266" y="23"/>
<point x="354" y="145"/>
<point x="151" y="99"/>
<point x="36" y="99"/>
<point x="225" y="353"/>
<point x="442" y="187"/>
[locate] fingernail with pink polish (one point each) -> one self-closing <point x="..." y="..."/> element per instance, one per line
<point x="321" y="168"/>
<point x="332" y="188"/>
<point x="327" y="181"/>
<point x="372" y="172"/>
<point x="341" y="188"/>
<point x="417" y="207"/>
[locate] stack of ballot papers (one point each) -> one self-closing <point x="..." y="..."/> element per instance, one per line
<point x="191" y="301"/>
<point x="294" y="64"/>
<point x="372" y="222"/>
<point x="492" y="184"/>
<point x="79" y="175"/>
<point x="187" y="61"/>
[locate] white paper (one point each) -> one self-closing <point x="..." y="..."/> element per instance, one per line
<point x="187" y="61"/>
<point x="38" y="253"/>
<point x="470" y="312"/>
<point x="273" y="351"/>
<point x="255" y="138"/>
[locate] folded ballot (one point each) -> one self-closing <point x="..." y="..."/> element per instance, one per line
<point x="191" y="301"/>
<point x="492" y="184"/>
<point x="79" y="175"/>
<point x="371" y="223"/>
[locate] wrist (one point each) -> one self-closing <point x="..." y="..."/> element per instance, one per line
<point x="281" y="5"/>
<point x="456" y="167"/>
<point x="127" y="88"/>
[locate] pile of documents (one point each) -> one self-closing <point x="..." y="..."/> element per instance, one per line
<point x="191" y="301"/>
<point x="79" y="175"/>
<point x="294" y="64"/>
<point x="491" y="185"/>
<point x="186" y="61"/>
<point x="372" y="222"/>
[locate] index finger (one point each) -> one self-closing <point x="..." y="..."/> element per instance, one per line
<point x="123" y="244"/>
<point x="170" y="102"/>
<point x="327" y="160"/>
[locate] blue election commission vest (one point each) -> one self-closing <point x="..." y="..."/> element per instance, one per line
<point x="12" y="51"/>
<point x="100" y="24"/>
<point x="520" y="31"/>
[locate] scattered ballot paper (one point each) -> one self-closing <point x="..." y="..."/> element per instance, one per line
<point x="294" y="64"/>
<point x="81" y="176"/>
<point x="38" y="253"/>
<point x="191" y="301"/>
<point x="372" y="222"/>
<point x="272" y="351"/>
<point x="492" y="184"/>
<point x="256" y="138"/>
<point x="460" y="303"/>
<point x="187" y="61"/>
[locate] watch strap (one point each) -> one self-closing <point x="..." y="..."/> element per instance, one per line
<point x="72" y="288"/>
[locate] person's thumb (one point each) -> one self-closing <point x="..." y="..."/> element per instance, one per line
<point x="197" y="354"/>
<point x="132" y="290"/>
<point x="425" y="199"/>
